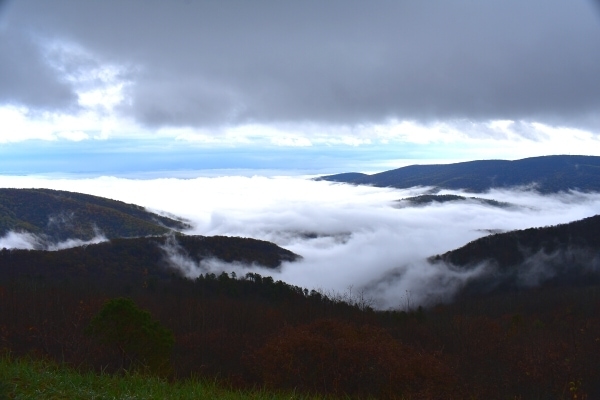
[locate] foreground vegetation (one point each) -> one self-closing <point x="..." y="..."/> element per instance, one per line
<point x="39" y="380"/>
<point x="254" y="332"/>
<point x="116" y="310"/>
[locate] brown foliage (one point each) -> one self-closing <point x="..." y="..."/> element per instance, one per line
<point x="331" y="356"/>
<point x="256" y="332"/>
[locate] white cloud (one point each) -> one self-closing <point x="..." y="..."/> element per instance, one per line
<point x="21" y="124"/>
<point x="75" y="136"/>
<point x="107" y="97"/>
<point x="103" y="91"/>
<point x="69" y="243"/>
<point x="291" y="141"/>
<point x="30" y="241"/>
<point x="19" y="240"/>
<point x="348" y="235"/>
<point x="17" y="126"/>
<point x="99" y="85"/>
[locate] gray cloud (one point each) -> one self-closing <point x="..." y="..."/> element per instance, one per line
<point x="26" y="78"/>
<point x="203" y="62"/>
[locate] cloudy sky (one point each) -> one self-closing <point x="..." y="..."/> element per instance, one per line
<point x="133" y="87"/>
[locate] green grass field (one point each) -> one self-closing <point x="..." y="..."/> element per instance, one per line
<point x="25" y="379"/>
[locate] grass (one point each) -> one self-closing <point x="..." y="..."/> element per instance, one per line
<point x="28" y="379"/>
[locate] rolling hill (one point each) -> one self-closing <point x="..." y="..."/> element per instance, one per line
<point x="427" y="199"/>
<point x="253" y="331"/>
<point x="566" y="254"/>
<point x="60" y="215"/>
<point x="549" y="174"/>
<point x="133" y="260"/>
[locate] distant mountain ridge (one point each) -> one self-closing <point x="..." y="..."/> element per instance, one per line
<point x="548" y="174"/>
<point x="59" y="215"/>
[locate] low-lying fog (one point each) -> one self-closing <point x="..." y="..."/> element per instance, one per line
<point x="351" y="237"/>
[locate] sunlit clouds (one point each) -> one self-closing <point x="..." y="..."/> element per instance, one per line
<point x="449" y="140"/>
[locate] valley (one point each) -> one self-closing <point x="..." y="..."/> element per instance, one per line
<point x="443" y="293"/>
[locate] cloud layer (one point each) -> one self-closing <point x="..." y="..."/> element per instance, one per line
<point x="350" y="237"/>
<point x="203" y="63"/>
<point x="334" y="84"/>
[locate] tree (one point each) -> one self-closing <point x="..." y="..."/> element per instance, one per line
<point x="141" y="341"/>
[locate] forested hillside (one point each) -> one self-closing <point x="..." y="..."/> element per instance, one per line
<point x="427" y="199"/>
<point x="549" y="174"/>
<point x="59" y="215"/>
<point x="532" y="331"/>
<point x="565" y="254"/>
<point x="251" y="331"/>
<point x="139" y="261"/>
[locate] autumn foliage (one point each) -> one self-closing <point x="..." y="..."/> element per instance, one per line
<point x="331" y="356"/>
<point x="253" y="331"/>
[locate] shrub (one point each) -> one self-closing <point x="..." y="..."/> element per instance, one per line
<point x="139" y="341"/>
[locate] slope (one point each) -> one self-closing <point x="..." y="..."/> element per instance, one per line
<point x="549" y="174"/>
<point x="566" y="254"/>
<point x="131" y="262"/>
<point x="59" y="215"/>
<point x="427" y="199"/>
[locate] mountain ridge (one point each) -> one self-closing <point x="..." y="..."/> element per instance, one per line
<point x="428" y="199"/>
<point x="60" y="215"/>
<point x="139" y="259"/>
<point x="546" y="174"/>
<point x="564" y="254"/>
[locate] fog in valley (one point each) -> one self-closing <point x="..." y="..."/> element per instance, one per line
<point x="354" y="240"/>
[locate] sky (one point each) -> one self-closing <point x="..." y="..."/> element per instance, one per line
<point x="170" y="88"/>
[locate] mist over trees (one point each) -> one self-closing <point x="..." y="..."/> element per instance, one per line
<point x="562" y="255"/>
<point x="251" y="330"/>
<point x="110" y="307"/>
<point x="428" y="199"/>
<point x="524" y="325"/>
<point x="56" y="216"/>
<point x="149" y="259"/>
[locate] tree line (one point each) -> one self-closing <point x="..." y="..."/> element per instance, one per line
<point x="253" y="331"/>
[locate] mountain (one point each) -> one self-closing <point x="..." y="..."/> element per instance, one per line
<point x="347" y="177"/>
<point x="549" y="174"/>
<point x="427" y="199"/>
<point x="136" y="259"/>
<point x="58" y="215"/>
<point x="566" y="254"/>
<point x="252" y="331"/>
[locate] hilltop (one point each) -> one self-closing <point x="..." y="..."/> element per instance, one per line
<point x="58" y="215"/>
<point x="562" y="255"/>
<point x="427" y="199"/>
<point x="133" y="261"/>
<point x="549" y="174"/>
